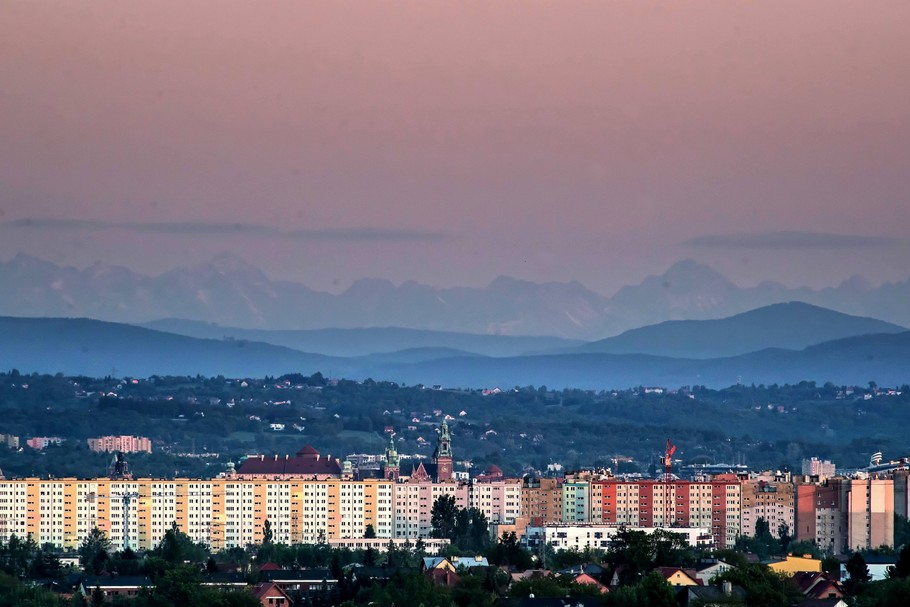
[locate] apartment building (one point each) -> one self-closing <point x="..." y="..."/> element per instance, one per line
<point x="713" y="505"/>
<point x="541" y="500"/>
<point x="576" y="502"/>
<point x="844" y="514"/>
<point x="228" y="512"/>
<point x="124" y="444"/>
<point x="774" y="502"/>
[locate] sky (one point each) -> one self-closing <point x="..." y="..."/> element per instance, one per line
<point x="452" y="142"/>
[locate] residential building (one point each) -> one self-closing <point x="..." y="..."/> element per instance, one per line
<point x="713" y="504"/>
<point x="124" y="444"/>
<point x="774" y="502"/>
<point x="41" y="442"/>
<point x="580" y="537"/>
<point x="541" y="500"/>
<point x="845" y="514"/>
<point x="821" y="469"/>
<point x="576" y="502"/>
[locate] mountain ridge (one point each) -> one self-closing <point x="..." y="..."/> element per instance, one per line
<point x="231" y="292"/>
<point x="789" y="325"/>
<point x="97" y="348"/>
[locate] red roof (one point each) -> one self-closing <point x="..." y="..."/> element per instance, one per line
<point x="584" y="578"/>
<point x="444" y="577"/>
<point x="307" y="462"/>
<point x="270" y="590"/>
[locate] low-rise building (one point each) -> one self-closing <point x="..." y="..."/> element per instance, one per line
<point x="580" y="537"/>
<point x="42" y="442"/>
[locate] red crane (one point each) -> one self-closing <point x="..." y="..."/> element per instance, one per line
<point x="669" y="507"/>
<point x="668" y="461"/>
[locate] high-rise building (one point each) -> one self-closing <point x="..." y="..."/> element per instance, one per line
<point x="124" y="444"/>
<point x="541" y="501"/>
<point x="713" y="505"/>
<point x="821" y="469"/>
<point x="845" y="514"/>
<point x="773" y="502"/>
<point x="228" y="512"/>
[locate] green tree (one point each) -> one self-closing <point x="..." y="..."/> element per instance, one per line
<point x="94" y="551"/>
<point x="177" y="547"/>
<point x="655" y="591"/>
<point x="857" y="574"/>
<point x="443" y="517"/>
<point x="508" y="551"/>
<point x="369" y="532"/>
<point x="267" y="535"/>
<point x="764" y="588"/>
<point x="901" y="568"/>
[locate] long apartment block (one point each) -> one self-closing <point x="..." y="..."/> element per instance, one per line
<point x="223" y="513"/>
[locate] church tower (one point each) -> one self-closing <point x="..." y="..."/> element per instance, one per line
<point x="443" y="455"/>
<point x="391" y="468"/>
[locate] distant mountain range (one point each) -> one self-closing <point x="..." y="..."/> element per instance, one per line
<point x="229" y="292"/>
<point x="89" y="347"/>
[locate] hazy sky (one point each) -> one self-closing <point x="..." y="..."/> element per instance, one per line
<point x="450" y="142"/>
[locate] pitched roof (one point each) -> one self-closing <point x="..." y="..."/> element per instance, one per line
<point x="269" y="589"/>
<point x="443" y="577"/>
<point x="307" y="462"/>
<point x="821" y="603"/>
<point x="668" y="572"/>
<point x="584" y="578"/>
<point x="710" y="594"/>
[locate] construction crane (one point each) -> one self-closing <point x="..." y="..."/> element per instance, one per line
<point x="668" y="461"/>
<point x="126" y="498"/>
<point x="669" y="506"/>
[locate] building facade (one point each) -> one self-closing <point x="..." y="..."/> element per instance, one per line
<point x="843" y="514"/>
<point x="773" y="502"/>
<point x="124" y="444"/>
<point x="228" y="512"/>
<point x="714" y="505"/>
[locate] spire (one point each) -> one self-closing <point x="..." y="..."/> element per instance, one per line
<point x="391" y="454"/>
<point x="444" y="444"/>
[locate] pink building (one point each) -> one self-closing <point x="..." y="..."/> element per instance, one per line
<point x="125" y="444"/>
<point x="40" y="442"/>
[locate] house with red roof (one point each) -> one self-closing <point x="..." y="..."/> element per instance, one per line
<point x="270" y="594"/>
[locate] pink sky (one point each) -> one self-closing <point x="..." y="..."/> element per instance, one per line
<point x="544" y="140"/>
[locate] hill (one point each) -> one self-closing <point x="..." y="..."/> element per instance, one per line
<point x="87" y="347"/>
<point x="883" y="358"/>
<point x="96" y="348"/>
<point x="791" y="326"/>
<point x="370" y="340"/>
